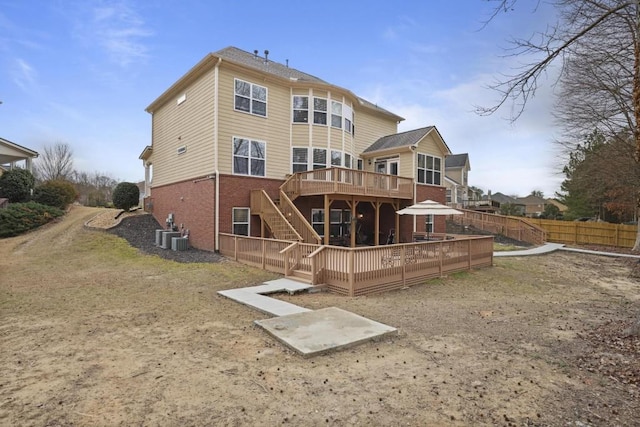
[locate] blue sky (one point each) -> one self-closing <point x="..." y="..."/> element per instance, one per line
<point x="83" y="71"/>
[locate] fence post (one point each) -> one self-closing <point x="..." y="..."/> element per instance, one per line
<point x="441" y="255"/>
<point x="263" y="254"/>
<point x="402" y="263"/>
<point x="469" y="254"/>
<point x="351" y="274"/>
<point x="617" y="235"/>
<point x="235" y="248"/>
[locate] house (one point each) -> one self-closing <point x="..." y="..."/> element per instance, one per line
<point x="13" y="155"/>
<point x="533" y="205"/>
<point x="245" y="145"/>
<point x="562" y="208"/>
<point x="502" y="200"/>
<point x="457" y="169"/>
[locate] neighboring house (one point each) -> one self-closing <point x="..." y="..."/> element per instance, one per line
<point x="13" y="155"/>
<point x="499" y="199"/>
<point x="245" y="145"/>
<point x="561" y="206"/>
<point x="457" y="167"/>
<point x="533" y="205"/>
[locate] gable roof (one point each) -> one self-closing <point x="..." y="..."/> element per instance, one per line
<point x="503" y="198"/>
<point x="457" y="161"/>
<point x="532" y="200"/>
<point x="409" y="138"/>
<point x="11" y="152"/>
<point x="253" y="61"/>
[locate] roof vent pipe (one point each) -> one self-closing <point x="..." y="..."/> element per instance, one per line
<point x="266" y="56"/>
<point x="255" y="53"/>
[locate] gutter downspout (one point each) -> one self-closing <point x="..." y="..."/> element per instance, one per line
<point x="215" y="154"/>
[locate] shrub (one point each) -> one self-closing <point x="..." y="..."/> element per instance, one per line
<point x="16" y="185"/>
<point x="58" y="193"/>
<point x="126" y="195"/>
<point x="21" y="217"/>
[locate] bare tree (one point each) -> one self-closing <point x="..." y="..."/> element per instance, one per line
<point x="597" y="45"/>
<point x="55" y="163"/>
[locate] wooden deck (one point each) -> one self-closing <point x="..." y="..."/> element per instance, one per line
<point x="365" y="270"/>
<point x="349" y="182"/>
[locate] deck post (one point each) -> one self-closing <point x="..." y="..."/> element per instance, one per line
<point x="351" y="273"/>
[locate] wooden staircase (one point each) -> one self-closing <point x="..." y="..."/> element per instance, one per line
<point x="261" y="204"/>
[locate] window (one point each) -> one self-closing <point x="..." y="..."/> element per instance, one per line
<point x="428" y="223"/>
<point x="250" y="98"/>
<point x="336" y="114"/>
<point x="429" y="169"/>
<point x="320" y="111"/>
<point x="340" y="222"/>
<point x="336" y="158"/>
<point x="448" y="195"/>
<point x="241" y="221"/>
<point x="300" y="109"/>
<point x="319" y="158"/>
<point x="299" y="159"/>
<point x="348" y="116"/>
<point x="360" y="164"/>
<point x="248" y="157"/>
<point x="347" y="160"/>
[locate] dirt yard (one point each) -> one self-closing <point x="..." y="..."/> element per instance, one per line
<point x="94" y="332"/>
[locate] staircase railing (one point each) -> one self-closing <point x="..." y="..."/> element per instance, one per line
<point x="299" y="222"/>
<point x="513" y="227"/>
<point x="262" y="205"/>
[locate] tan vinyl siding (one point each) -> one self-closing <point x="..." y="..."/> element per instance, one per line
<point x="189" y="125"/>
<point x="407" y="164"/>
<point x="370" y="127"/>
<point x="430" y="145"/>
<point x="274" y="129"/>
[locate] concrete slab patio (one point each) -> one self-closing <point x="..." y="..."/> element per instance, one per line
<point x="329" y="329"/>
<point x="307" y="332"/>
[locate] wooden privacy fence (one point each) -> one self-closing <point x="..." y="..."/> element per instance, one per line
<point x="513" y="227"/>
<point x="588" y="233"/>
<point x="364" y="270"/>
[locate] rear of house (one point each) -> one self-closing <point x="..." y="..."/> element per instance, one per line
<point x="245" y="145"/>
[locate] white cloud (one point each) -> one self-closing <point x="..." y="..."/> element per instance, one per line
<point x="24" y="75"/>
<point x="118" y="29"/>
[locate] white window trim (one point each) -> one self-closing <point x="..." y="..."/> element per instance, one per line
<point x="433" y="171"/>
<point x="327" y="113"/>
<point x="292" y="162"/>
<point x="233" y="171"/>
<point x="251" y="85"/>
<point x="293" y="109"/>
<point x="233" y="222"/>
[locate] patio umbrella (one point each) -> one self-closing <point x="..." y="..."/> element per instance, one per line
<point x="428" y="207"/>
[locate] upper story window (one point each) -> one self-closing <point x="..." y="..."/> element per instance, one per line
<point x="248" y="157"/>
<point x="336" y="114"/>
<point x="250" y="98"/>
<point x="300" y="109"/>
<point x="347" y="160"/>
<point x="319" y="111"/>
<point x="429" y="169"/>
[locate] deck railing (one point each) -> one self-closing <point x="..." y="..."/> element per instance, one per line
<point x="349" y="182"/>
<point x="365" y="270"/>
<point x="513" y="227"/>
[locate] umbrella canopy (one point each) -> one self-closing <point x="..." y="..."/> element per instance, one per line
<point x="428" y="207"/>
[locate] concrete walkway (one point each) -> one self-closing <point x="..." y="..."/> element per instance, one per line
<point x="253" y="296"/>
<point x="552" y="247"/>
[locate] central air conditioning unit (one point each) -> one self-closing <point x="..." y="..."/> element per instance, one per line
<point x="166" y="238"/>
<point x="159" y="236"/>
<point x="179" y="243"/>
